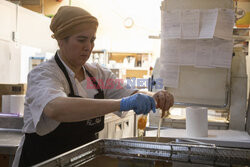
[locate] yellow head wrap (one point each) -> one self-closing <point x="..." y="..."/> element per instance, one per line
<point x="71" y="20"/>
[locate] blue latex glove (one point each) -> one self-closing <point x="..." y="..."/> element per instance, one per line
<point x="140" y="103"/>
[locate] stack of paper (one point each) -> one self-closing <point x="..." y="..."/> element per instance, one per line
<point x="200" y="38"/>
<point x="171" y="24"/>
<point x="200" y="53"/>
<point x="208" y="20"/>
<point x="197" y="24"/>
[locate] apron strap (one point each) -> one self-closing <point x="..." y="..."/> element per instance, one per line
<point x="98" y="88"/>
<point x="62" y="67"/>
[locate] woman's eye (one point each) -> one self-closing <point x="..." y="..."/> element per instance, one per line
<point x="81" y="40"/>
<point x="85" y="40"/>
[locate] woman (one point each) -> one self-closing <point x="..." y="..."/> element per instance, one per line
<point x="61" y="111"/>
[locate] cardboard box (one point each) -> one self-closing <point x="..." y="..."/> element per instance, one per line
<point x="11" y="89"/>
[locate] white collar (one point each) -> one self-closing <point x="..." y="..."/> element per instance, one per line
<point x="70" y="72"/>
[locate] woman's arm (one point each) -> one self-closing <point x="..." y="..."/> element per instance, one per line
<point x="70" y="109"/>
<point x="145" y="92"/>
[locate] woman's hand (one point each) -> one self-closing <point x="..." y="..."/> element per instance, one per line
<point x="140" y="103"/>
<point x="164" y="101"/>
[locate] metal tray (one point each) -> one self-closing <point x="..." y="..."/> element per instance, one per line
<point x="187" y="151"/>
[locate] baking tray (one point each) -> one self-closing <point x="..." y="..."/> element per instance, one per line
<point x="188" y="152"/>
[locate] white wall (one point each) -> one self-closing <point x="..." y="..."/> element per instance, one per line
<point x="33" y="31"/>
<point x="7" y="20"/>
<point x="9" y="53"/>
<point x="32" y="34"/>
<point x="9" y="62"/>
<point x="112" y="34"/>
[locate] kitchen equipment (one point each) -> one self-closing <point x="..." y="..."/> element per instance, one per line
<point x="222" y="90"/>
<point x="131" y="151"/>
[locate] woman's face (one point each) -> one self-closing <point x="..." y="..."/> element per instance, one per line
<point x="77" y="48"/>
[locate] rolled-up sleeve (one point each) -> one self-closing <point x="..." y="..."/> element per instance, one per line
<point x="44" y="85"/>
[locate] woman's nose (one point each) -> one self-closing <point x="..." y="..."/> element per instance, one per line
<point x="87" y="46"/>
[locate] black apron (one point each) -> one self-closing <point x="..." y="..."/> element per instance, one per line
<point x="67" y="136"/>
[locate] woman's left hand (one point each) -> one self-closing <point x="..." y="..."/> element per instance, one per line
<point x="164" y="101"/>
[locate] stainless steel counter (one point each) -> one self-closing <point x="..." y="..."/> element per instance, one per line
<point x="224" y="138"/>
<point x="9" y="141"/>
<point x="10" y="133"/>
<point x="11" y="121"/>
<point x="10" y="130"/>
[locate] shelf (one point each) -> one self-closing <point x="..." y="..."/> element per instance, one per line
<point x="241" y="28"/>
<point x="243" y="38"/>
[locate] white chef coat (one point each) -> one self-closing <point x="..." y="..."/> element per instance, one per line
<point x="47" y="82"/>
